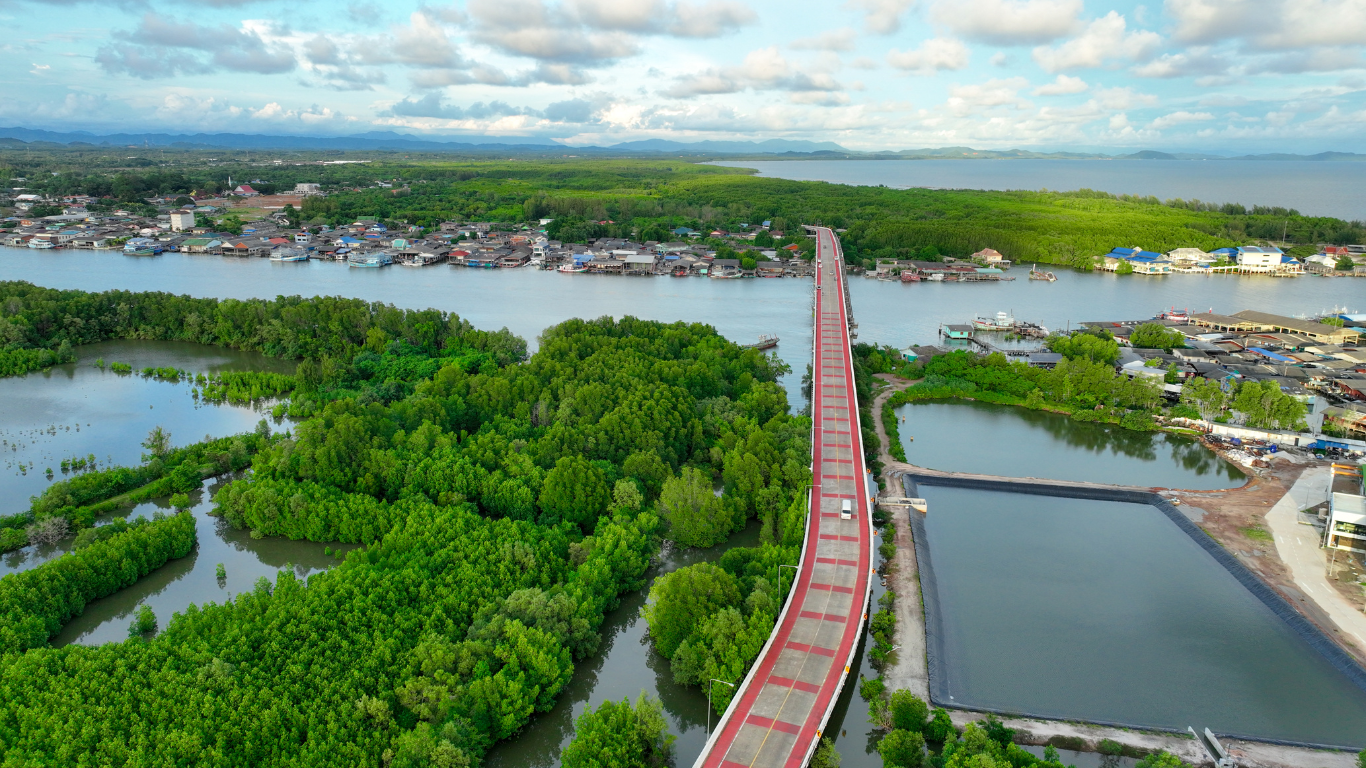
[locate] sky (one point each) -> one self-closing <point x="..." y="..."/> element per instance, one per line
<point x="1198" y="75"/>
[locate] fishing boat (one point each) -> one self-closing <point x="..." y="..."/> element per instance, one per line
<point x="936" y="277"/>
<point x="680" y="272"/>
<point x="1003" y="321"/>
<point x="40" y="245"/>
<point x="572" y="268"/>
<point x="370" y="260"/>
<point x="1036" y="274"/>
<point x="1178" y="315"/>
<point x="289" y="254"/>
<point x="766" y="341"/>
<point x="142" y="246"/>
<point x="910" y="277"/>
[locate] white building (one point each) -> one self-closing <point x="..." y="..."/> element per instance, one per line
<point x="1253" y="258"/>
<point x="182" y="220"/>
<point x="1347" y="515"/>
<point x="305" y="188"/>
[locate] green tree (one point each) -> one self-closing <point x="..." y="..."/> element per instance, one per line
<point x="1125" y="267"/>
<point x="575" y="491"/>
<point x="649" y="470"/>
<point x="826" y="755"/>
<point x="617" y="735"/>
<point x="695" y="515"/>
<point x="902" y="749"/>
<point x="1205" y="395"/>
<point x="678" y="602"/>
<point x="1344" y="263"/>
<point x="908" y="711"/>
<point x="1162" y="759"/>
<point x="1156" y="336"/>
<point x="940" y="728"/>
<point x="1266" y="406"/>
<point x="158" y="443"/>
<point x="144" y="621"/>
<point x="1098" y="346"/>
<point x="180" y="502"/>
<point x="763" y="239"/>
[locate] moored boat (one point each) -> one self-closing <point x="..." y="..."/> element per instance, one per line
<point x="766" y="341"/>
<point x="572" y="268"/>
<point x="1036" y="274"/>
<point x="41" y="245"/>
<point x="289" y="254"/>
<point x="1003" y="321"/>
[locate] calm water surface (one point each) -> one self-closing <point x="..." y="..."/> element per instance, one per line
<point x="193" y="578"/>
<point x="991" y="439"/>
<point x="1315" y="188"/>
<point x="528" y="301"/>
<point x="624" y="666"/>
<point x="77" y="409"/>
<point x="1102" y="610"/>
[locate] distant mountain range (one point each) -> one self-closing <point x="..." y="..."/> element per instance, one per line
<point x="398" y="142"/>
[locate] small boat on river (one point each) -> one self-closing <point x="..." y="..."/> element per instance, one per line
<point x="766" y="341"/>
<point x="289" y="254"/>
<point x="370" y="260"/>
<point x="572" y="268"/>
<point x="1036" y="274"/>
<point x="1003" y="321"/>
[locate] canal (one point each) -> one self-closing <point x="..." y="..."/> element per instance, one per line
<point x="624" y="666"/>
<point x="1107" y="611"/>
<point x="993" y="439"/>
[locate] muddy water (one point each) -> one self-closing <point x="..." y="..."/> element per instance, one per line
<point x="77" y="410"/>
<point x="991" y="439"/>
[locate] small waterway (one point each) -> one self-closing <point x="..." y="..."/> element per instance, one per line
<point x="624" y="666"/>
<point x="1107" y="611"/>
<point x="77" y="410"/>
<point x="191" y="579"/>
<point x="992" y="439"/>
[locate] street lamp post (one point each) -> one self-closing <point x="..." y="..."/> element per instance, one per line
<point x="781" y="566"/>
<point x="714" y="680"/>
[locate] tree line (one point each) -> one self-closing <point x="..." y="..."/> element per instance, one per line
<point x="323" y="330"/>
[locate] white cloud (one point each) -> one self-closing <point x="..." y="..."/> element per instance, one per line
<point x="882" y="17"/>
<point x="834" y="40"/>
<point x="1064" y="84"/>
<point x="1105" y="38"/>
<point x="763" y="69"/>
<point x="161" y="46"/>
<point x="594" y="32"/>
<point x="1122" y="98"/>
<point x="967" y="99"/>
<point x="1196" y="61"/>
<point x="932" y="56"/>
<point x="1010" y="22"/>
<point x="1272" y="23"/>
<point x="1179" y="118"/>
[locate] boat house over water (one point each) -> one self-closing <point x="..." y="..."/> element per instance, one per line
<point x="1252" y="321"/>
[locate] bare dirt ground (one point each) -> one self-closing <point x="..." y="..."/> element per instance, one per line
<point x="909" y="668"/>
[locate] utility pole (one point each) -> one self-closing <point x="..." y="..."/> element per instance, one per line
<point x="714" y="680"/>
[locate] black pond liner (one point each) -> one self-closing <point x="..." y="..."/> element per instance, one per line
<point x="934" y="636"/>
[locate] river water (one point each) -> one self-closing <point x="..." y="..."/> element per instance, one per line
<point x="1314" y="188"/>
<point x="75" y="410"/>
<point x="991" y="439"/>
<point x="527" y="301"/>
<point x="190" y="579"/>
<point x="624" y="666"/>
<point x="1107" y="611"/>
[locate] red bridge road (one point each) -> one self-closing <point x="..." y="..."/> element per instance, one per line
<point x="781" y="708"/>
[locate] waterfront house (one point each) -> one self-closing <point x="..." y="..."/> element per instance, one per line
<point x="956" y="331"/>
<point x="1346" y="527"/>
<point x="991" y="258"/>
<point x="640" y="263"/>
<point x="768" y="269"/>
<point x="1256" y="259"/>
<point x="201" y="245"/>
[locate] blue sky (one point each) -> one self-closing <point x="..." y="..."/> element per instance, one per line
<point x="1233" y="75"/>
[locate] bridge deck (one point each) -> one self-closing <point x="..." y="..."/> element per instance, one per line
<point x="782" y="706"/>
